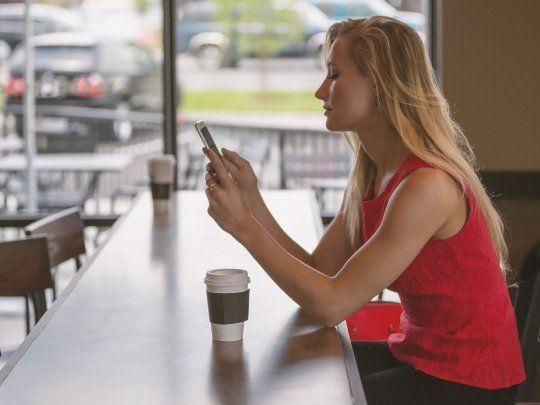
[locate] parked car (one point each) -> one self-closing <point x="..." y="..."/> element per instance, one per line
<point x="200" y="33"/>
<point x="338" y="10"/>
<point x="45" y="19"/>
<point x="86" y="86"/>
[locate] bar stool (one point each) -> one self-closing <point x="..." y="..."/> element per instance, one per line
<point x="26" y="272"/>
<point x="65" y="237"/>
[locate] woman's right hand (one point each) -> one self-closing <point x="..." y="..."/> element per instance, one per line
<point x="242" y="173"/>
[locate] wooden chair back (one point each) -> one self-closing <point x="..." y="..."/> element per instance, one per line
<point x="65" y="235"/>
<point x="25" y="271"/>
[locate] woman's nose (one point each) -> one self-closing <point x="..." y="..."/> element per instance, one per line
<point x="321" y="92"/>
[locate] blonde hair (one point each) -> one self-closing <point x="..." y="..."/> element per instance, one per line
<point x="393" y="56"/>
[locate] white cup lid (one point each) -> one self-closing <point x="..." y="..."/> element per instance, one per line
<point x="227" y="277"/>
<point x="161" y="168"/>
<point x="162" y="159"/>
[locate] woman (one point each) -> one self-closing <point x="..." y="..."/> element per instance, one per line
<point x="415" y="219"/>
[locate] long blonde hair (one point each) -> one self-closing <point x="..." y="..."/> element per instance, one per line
<point x="392" y="55"/>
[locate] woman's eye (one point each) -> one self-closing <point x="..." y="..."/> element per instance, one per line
<point x="332" y="76"/>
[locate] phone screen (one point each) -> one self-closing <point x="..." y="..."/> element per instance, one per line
<point x="207" y="139"/>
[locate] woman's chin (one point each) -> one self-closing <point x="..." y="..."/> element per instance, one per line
<point x="331" y="126"/>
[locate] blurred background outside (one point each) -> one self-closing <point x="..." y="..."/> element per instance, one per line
<point x="247" y="67"/>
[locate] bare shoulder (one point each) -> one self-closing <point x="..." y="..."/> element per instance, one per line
<point x="432" y="184"/>
<point x="425" y="201"/>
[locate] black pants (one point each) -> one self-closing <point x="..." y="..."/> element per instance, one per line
<point x="387" y="381"/>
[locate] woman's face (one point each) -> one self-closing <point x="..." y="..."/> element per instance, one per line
<point x="348" y="95"/>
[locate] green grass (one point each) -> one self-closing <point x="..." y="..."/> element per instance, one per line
<point x="224" y="100"/>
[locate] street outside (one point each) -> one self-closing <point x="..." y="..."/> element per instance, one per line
<point x="282" y="74"/>
<point x="288" y="74"/>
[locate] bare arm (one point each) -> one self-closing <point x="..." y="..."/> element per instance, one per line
<point x="420" y="206"/>
<point x="334" y="248"/>
<point x="332" y="251"/>
<point x="266" y="219"/>
<point x="418" y="209"/>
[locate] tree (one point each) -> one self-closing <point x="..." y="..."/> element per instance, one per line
<point x="142" y="6"/>
<point x="259" y="28"/>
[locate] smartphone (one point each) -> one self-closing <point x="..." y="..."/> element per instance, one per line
<point x="207" y="139"/>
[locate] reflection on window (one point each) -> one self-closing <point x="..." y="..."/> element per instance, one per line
<point x="46" y="56"/>
<point x="252" y="76"/>
<point x="249" y="71"/>
<point x="98" y="118"/>
<point x="98" y="102"/>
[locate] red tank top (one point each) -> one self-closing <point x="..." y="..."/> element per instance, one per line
<point x="458" y="323"/>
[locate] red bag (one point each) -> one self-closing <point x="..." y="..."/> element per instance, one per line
<point x="375" y="321"/>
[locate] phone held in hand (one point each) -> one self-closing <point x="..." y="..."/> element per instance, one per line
<point x="207" y="139"/>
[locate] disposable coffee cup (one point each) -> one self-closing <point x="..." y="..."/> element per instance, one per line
<point x="161" y="172"/>
<point x="228" y="303"/>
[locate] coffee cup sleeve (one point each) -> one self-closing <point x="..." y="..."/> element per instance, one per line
<point x="230" y="308"/>
<point x="160" y="191"/>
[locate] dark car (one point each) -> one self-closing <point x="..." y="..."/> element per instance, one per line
<point x="45" y="19"/>
<point x="87" y="87"/>
<point x="201" y="32"/>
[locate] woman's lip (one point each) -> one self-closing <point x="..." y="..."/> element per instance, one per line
<point x="326" y="112"/>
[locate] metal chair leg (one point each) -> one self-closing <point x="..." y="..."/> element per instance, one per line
<point x="40" y="304"/>
<point x="27" y="314"/>
<point x="53" y="277"/>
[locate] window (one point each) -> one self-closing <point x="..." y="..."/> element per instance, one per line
<point x="98" y="102"/>
<point x="253" y="75"/>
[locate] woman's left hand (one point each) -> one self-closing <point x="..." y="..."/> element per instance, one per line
<point x="226" y="205"/>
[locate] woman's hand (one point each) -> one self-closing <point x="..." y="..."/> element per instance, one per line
<point x="226" y="203"/>
<point x="242" y="173"/>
